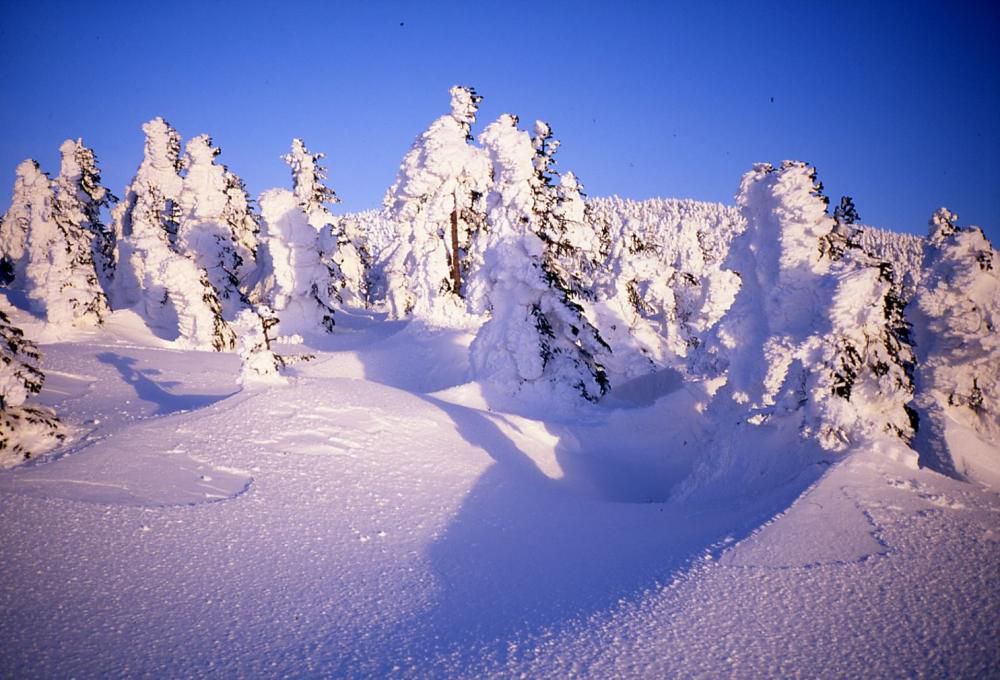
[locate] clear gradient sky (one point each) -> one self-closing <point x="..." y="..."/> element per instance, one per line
<point x="895" y="103"/>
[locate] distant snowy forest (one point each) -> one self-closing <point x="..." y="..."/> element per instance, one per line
<point x="780" y="308"/>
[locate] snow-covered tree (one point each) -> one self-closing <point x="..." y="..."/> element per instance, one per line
<point x="574" y="247"/>
<point x="25" y="430"/>
<point x="216" y="226"/>
<point x="537" y="337"/>
<point x="31" y="201"/>
<point x="437" y="202"/>
<point x="864" y="382"/>
<point x="813" y="335"/>
<point x="172" y="290"/>
<point x="342" y="242"/>
<point x="52" y="260"/>
<point x="956" y="314"/>
<point x="79" y="189"/>
<point x="244" y="223"/>
<point x="145" y="220"/>
<point x="307" y="182"/>
<point x="259" y="362"/>
<point x="346" y="251"/>
<point x="77" y="258"/>
<point x="298" y="285"/>
<point x="844" y="234"/>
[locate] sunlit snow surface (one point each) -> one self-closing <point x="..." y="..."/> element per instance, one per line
<point x="374" y="518"/>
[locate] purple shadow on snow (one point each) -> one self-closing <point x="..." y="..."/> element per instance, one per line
<point x="149" y="390"/>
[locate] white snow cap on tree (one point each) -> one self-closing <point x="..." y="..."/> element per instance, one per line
<point x="31" y="200"/>
<point x="464" y="105"/>
<point x="808" y="336"/>
<point x="957" y="326"/>
<point x="53" y="260"/>
<point x="79" y="188"/>
<point x="442" y="175"/>
<point x="307" y="182"/>
<point x="260" y="365"/>
<point x="298" y="287"/>
<point x="208" y="223"/>
<point x="175" y="294"/>
<point x="25" y="431"/>
<point x="537" y="339"/>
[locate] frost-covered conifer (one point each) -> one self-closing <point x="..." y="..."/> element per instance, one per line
<point x="259" y="363"/>
<point x="956" y="314"/>
<point x="172" y="290"/>
<point x="661" y="286"/>
<point x="342" y="242"/>
<point x="349" y="260"/>
<point x="298" y="286"/>
<point x="31" y="201"/>
<point x="79" y="189"/>
<point x="573" y="245"/>
<point x="216" y="225"/>
<point x="53" y="259"/>
<point x="307" y="182"/>
<point x="145" y="221"/>
<point x="245" y="225"/>
<point x="844" y="233"/>
<point x="537" y="338"/>
<point x="811" y="334"/>
<point x="437" y="202"/>
<point x="25" y="431"/>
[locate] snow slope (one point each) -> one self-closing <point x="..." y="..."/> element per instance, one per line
<point x="374" y="517"/>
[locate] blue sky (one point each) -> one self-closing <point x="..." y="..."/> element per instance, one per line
<point x="897" y="104"/>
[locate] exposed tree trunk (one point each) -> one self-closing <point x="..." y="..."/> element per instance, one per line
<point x="456" y="268"/>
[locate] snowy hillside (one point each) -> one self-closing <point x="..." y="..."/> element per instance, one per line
<point x="496" y="428"/>
<point x="373" y="519"/>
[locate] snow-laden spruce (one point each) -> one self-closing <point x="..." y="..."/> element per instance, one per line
<point x="437" y="203"/>
<point x="25" y="430"/>
<point x="816" y="333"/>
<point x="259" y="364"/>
<point x="342" y="242"/>
<point x="169" y="289"/>
<point x="537" y="340"/>
<point x="298" y="284"/>
<point x="81" y="196"/>
<point x="956" y="315"/>
<point x="31" y="204"/>
<point x="217" y="229"/>
<point x="661" y="285"/>
<point x="48" y="245"/>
